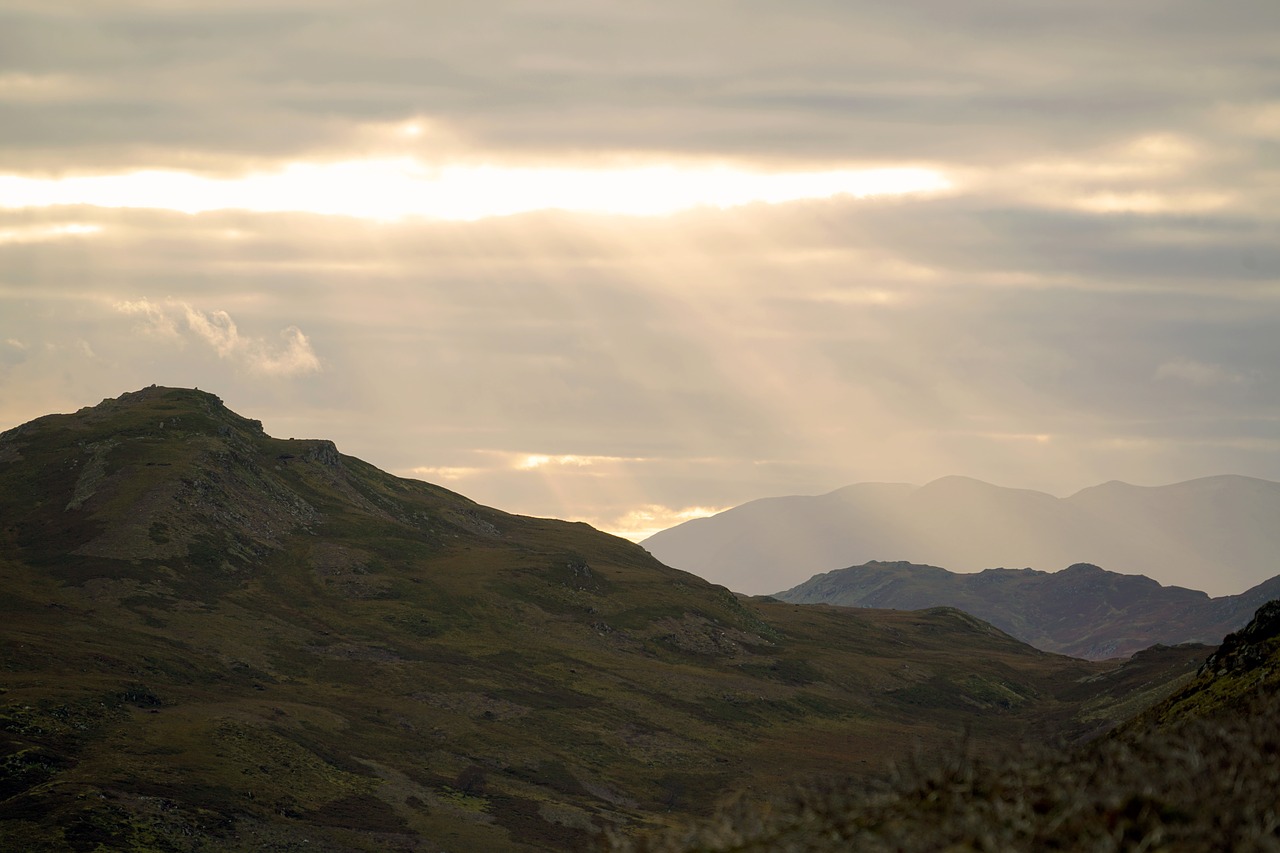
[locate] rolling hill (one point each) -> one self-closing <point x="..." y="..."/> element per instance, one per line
<point x="1196" y="771"/>
<point x="213" y="639"/>
<point x="1218" y="534"/>
<point x="1082" y="610"/>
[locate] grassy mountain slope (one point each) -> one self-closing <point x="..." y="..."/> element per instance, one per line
<point x="1201" y="785"/>
<point x="1196" y="771"/>
<point x="1082" y="611"/>
<point x="212" y="639"/>
<point x="1243" y="672"/>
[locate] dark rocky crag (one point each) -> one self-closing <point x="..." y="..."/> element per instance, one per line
<point x="1252" y="648"/>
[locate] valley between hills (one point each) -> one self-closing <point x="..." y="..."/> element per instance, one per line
<point x="213" y="639"/>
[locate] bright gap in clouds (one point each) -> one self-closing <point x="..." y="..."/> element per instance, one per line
<point x="39" y="233"/>
<point x="394" y="189"/>
<point x="639" y="524"/>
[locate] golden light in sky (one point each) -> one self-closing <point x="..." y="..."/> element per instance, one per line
<point x="345" y="219"/>
<point x="47" y="232"/>
<point x="392" y="189"/>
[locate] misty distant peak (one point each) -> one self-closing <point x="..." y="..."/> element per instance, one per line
<point x="1216" y="482"/>
<point x="1082" y="610"/>
<point x="958" y="481"/>
<point x="1219" y="534"/>
<point x="858" y="489"/>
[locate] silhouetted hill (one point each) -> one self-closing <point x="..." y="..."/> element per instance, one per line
<point x="212" y="639"/>
<point x="1218" y="534"/>
<point x="1083" y="611"/>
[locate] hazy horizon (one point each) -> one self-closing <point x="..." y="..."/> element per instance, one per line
<point x="1213" y="534"/>
<point x="632" y="265"/>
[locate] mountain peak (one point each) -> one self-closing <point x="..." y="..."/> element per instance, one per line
<point x="206" y="629"/>
<point x="149" y="411"/>
<point x="164" y="473"/>
<point x="151" y="394"/>
<point x="1082" y="610"/>
<point x="1215" y="534"/>
<point x="958" y="481"/>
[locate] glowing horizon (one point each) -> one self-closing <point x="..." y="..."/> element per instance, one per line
<point x="400" y="188"/>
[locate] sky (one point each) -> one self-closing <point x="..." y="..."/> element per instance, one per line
<point x="632" y="263"/>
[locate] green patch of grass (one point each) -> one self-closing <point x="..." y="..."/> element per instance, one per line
<point x="793" y="671"/>
<point x="545" y="695"/>
<point x="361" y="812"/>
<point x="26" y="768"/>
<point x="416" y="624"/>
<point x="996" y="692"/>
<point x="636" y="618"/>
<point x="935" y="693"/>
<point x="821" y="706"/>
<point x="140" y="696"/>
<point x="159" y="533"/>
<point x="523" y="820"/>
<point x="460" y="800"/>
<point x="553" y="774"/>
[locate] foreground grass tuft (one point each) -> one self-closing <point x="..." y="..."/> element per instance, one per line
<point x="1203" y="785"/>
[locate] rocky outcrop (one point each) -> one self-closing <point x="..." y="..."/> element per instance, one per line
<point x="1251" y="648"/>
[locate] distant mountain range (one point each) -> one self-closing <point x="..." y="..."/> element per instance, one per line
<point x="215" y="639"/>
<point x="1217" y="534"/>
<point x="1082" y="611"/>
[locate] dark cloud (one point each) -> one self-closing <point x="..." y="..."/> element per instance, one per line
<point x="810" y="81"/>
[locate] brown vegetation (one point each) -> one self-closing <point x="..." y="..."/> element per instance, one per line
<point x="318" y="650"/>
<point x="1198" y="771"/>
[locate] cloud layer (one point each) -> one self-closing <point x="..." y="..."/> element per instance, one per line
<point x="175" y="321"/>
<point x="1095" y="297"/>
<point x="974" y="82"/>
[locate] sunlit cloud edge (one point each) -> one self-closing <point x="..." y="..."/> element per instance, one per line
<point x="395" y="189"/>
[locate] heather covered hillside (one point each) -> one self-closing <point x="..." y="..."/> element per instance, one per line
<point x="1197" y="772"/>
<point x="213" y="639"/>
<point x="651" y="426"/>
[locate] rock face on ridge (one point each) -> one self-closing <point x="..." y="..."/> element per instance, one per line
<point x="1253" y="647"/>
<point x="1240" y="679"/>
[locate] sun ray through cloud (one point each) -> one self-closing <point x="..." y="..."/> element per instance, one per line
<point x="399" y="188"/>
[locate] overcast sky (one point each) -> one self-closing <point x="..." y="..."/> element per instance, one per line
<point x="629" y="262"/>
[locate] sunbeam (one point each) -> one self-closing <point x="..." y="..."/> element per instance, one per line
<point x="399" y="188"/>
